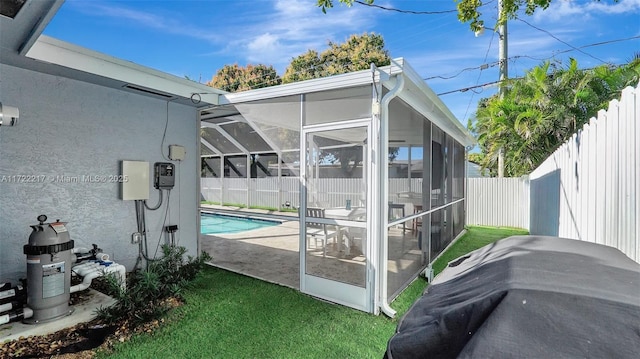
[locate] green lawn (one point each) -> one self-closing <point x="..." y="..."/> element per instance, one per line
<point x="228" y="315"/>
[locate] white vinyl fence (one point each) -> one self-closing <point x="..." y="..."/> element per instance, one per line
<point x="500" y="202"/>
<point x="589" y="189"/>
<point x="264" y="192"/>
<point x="334" y="192"/>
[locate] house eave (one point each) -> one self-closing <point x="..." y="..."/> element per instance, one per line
<point x="56" y="52"/>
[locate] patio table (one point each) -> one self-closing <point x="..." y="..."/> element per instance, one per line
<point x="352" y="214"/>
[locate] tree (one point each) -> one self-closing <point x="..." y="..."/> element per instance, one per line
<point x="304" y="67"/>
<point x="543" y="110"/>
<point x="358" y="52"/>
<point x="234" y="78"/>
<point x="468" y="9"/>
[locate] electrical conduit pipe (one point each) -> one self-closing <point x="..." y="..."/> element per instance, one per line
<point x="384" y="191"/>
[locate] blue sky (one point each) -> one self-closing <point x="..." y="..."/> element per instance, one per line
<point x="196" y="38"/>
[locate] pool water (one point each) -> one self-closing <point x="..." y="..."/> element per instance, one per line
<point x="214" y="223"/>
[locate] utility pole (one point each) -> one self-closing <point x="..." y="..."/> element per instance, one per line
<point x="503" y="56"/>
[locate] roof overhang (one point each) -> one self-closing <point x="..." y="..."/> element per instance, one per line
<point x="20" y="32"/>
<point x="89" y="65"/>
<point x="422" y="98"/>
<point x="23" y="45"/>
<point x="352" y="79"/>
<point x="416" y="93"/>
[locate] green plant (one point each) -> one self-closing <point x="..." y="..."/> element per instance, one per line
<point x="147" y="293"/>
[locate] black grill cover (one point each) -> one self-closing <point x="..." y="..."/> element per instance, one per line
<point x="527" y="297"/>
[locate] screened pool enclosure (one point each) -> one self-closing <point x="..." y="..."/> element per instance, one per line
<point x="373" y="161"/>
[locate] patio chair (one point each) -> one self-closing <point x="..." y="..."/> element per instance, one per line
<point x="319" y="231"/>
<point x="396" y="206"/>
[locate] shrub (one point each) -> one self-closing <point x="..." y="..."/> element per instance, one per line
<point x="145" y="297"/>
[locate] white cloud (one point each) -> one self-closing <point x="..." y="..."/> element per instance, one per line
<point x="535" y="43"/>
<point x="281" y="30"/>
<point x="166" y="24"/>
<point x="294" y="27"/>
<point x="263" y="42"/>
<point x="623" y="6"/>
<point x="263" y="46"/>
<point x="563" y="9"/>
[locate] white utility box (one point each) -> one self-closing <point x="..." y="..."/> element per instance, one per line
<point x="135" y="180"/>
<point x="176" y="152"/>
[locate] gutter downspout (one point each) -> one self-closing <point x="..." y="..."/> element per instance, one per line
<point x="384" y="191"/>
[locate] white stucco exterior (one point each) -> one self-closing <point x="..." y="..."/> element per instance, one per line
<point x="69" y="129"/>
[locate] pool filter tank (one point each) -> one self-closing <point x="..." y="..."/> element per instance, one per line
<point x="49" y="254"/>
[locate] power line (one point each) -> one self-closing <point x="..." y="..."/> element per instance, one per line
<point x="564" y="42"/>
<point x="406" y="11"/>
<point x="465" y="89"/>
<point x="601" y="43"/>
<point x="515" y="57"/>
<point x="483" y="66"/>
<point x="486" y="55"/>
<point x="579" y="47"/>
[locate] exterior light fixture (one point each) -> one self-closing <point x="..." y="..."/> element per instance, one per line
<point x="8" y="115"/>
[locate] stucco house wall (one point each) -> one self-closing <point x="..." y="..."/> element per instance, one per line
<point x="69" y="129"/>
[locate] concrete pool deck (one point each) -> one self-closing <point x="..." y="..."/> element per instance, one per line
<point x="270" y="254"/>
<point x="273" y="254"/>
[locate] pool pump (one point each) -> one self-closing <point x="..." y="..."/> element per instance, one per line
<point x="49" y="260"/>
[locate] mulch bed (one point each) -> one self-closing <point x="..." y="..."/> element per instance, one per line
<point x="80" y="341"/>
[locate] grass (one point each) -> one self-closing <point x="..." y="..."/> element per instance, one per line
<point x="228" y="315"/>
<point x="476" y="237"/>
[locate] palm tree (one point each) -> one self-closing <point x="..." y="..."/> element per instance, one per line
<point x="543" y="109"/>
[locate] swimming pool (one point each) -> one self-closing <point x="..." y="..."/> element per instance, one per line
<point x="216" y="223"/>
